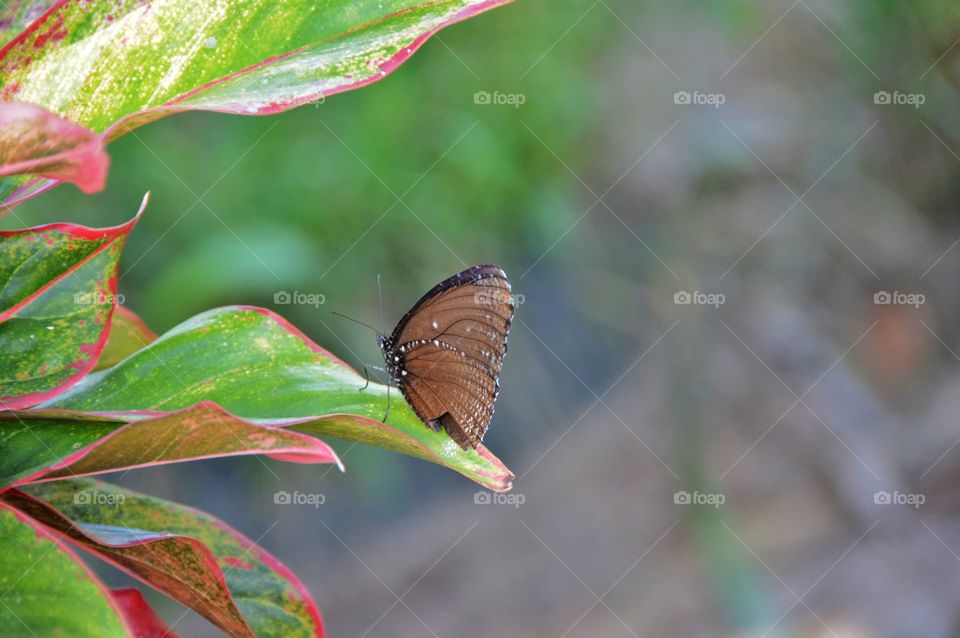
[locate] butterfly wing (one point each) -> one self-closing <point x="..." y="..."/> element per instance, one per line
<point x="452" y="344"/>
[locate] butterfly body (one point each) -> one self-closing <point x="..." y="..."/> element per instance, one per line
<point x="446" y="353"/>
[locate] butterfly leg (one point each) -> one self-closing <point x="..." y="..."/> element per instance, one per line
<point x="366" y="373"/>
<point x="387" y="413"/>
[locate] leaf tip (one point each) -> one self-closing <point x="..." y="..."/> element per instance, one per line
<point x="143" y="205"/>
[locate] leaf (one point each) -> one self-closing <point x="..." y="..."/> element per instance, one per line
<point x="188" y="555"/>
<point x="58" y="286"/>
<point x="30" y="446"/>
<point x="257" y="366"/>
<point x="115" y="66"/>
<point x="38" y="448"/>
<point x="140" y="617"/>
<point x="128" y="333"/>
<point x="46" y="589"/>
<point x="35" y="141"/>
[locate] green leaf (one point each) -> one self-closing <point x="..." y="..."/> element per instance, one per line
<point x="37" y="448"/>
<point x="58" y="286"/>
<point x="45" y="590"/>
<point x="114" y="66"/>
<point x="189" y="555"/>
<point x="35" y="141"/>
<point x="30" y="446"/>
<point x="257" y="366"/>
<point x="128" y="333"/>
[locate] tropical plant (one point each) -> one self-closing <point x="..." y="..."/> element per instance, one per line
<point x="87" y="388"/>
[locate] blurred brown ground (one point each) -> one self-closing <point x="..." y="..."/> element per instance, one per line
<point x="798" y="399"/>
<point x="799" y="547"/>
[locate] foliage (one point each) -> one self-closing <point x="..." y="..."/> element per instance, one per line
<point x="86" y="387"/>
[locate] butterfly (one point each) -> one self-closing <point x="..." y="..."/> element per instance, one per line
<point x="446" y="353"/>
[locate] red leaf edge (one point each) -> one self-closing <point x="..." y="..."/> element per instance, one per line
<point x="318" y="451"/>
<point x="84" y="165"/>
<point x="143" y="621"/>
<point x="87" y="233"/>
<point x="209" y="557"/>
<point x="31" y="189"/>
<point x="57" y="539"/>
<point x="506" y="479"/>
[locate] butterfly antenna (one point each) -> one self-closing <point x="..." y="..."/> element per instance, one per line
<point x="356" y="321"/>
<point x="380" y="296"/>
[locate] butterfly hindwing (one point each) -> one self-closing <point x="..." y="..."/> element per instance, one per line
<point x="447" y="352"/>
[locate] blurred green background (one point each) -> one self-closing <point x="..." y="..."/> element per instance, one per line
<point x="700" y="399"/>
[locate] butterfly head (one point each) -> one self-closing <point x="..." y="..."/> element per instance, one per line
<point x="392" y="358"/>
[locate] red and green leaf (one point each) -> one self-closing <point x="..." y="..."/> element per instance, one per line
<point x="142" y="620"/>
<point x="34" y="141"/>
<point x="46" y="589"/>
<point x="188" y="555"/>
<point x="272" y="374"/>
<point x="58" y="286"/>
<point x="128" y="333"/>
<point x="113" y="66"/>
<point x="38" y="448"/>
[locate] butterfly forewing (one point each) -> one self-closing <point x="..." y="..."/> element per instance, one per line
<point x="447" y="352"/>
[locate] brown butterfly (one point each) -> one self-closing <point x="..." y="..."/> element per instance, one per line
<point x="446" y="353"/>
